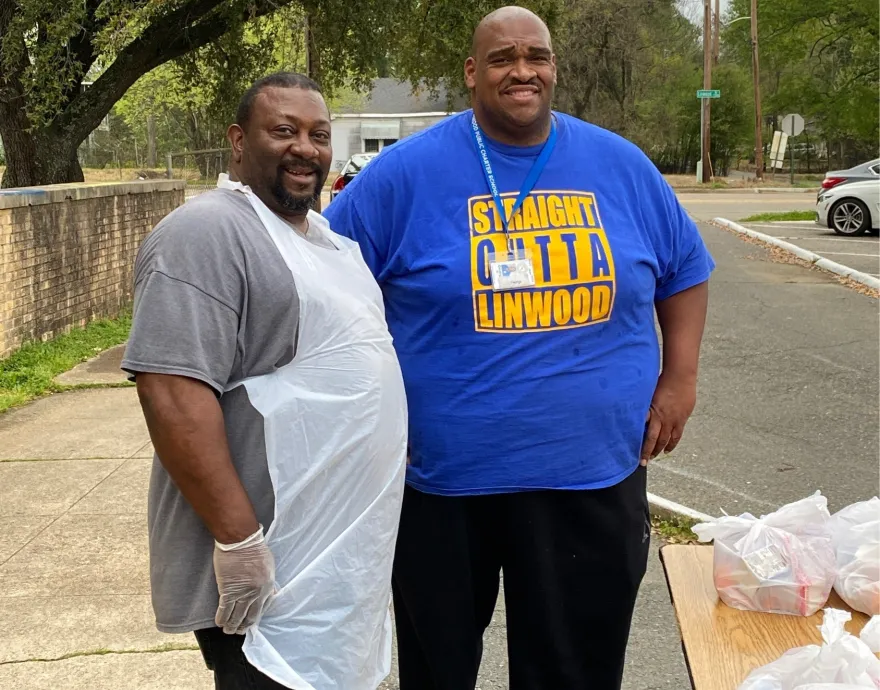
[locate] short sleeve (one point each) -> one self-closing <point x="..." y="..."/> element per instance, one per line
<point x="684" y="259"/>
<point x="178" y="329"/>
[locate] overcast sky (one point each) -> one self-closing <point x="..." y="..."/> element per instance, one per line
<point x="693" y="9"/>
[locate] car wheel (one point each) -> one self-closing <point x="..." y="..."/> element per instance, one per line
<point x="849" y="217"/>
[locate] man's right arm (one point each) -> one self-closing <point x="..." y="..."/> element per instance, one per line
<point x="186" y="426"/>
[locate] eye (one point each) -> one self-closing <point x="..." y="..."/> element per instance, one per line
<point x="285" y="130"/>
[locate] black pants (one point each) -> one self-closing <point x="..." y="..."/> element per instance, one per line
<point x="232" y="671"/>
<point x="572" y="562"/>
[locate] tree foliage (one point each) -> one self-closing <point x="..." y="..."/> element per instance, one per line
<point x="66" y="63"/>
<point x="168" y="73"/>
<point x="819" y="59"/>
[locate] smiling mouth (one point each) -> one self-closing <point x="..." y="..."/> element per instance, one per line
<point x="303" y="175"/>
<point x="521" y="94"/>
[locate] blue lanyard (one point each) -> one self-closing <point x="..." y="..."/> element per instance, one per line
<point x="531" y="178"/>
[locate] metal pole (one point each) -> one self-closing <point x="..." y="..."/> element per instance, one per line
<point x="168" y="167"/>
<point x="707" y="84"/>
<point x="756" y="82"/>
<point x="791" y="158"/>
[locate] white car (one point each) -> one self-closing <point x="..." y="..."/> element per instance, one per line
<point x="850" y="209"/>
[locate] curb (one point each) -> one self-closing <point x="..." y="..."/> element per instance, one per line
<point x="795" y="190"/>
<point x="811" y="257"/>
<point x="666" y="509"/>
<point x="740" y="190"/>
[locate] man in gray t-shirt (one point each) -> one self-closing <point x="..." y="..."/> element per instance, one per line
<point x="215" y="303"/>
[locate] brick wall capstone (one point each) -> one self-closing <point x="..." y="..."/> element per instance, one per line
<point x="67" y="253"/>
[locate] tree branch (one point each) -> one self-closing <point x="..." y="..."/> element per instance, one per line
<point x="191" y="26"/>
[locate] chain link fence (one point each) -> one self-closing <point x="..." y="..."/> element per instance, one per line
<point x="198" y="169"/>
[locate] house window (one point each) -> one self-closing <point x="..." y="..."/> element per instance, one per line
<point x="376" y="145"/>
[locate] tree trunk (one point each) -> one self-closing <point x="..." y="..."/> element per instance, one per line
<point x="151" y="142"/>
<point x="33" y="160"/>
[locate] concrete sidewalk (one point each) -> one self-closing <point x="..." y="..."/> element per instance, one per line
<point x="74" y="587"/>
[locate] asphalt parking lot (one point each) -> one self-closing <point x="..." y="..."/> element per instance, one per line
<point x="861" y="253"/>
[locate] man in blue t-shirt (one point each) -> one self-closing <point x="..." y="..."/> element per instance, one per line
<point x="522" y="254"/>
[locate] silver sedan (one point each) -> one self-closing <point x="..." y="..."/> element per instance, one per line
<point x="850" y="209"/>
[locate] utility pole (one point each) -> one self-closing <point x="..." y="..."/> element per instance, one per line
<point x="756" y="79"/>
<point x="716" y="43"/>
<point x="707" y="84"/>
<point x="308" y="42"/>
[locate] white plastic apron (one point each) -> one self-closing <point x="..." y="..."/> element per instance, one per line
<point x="335" y="426"/>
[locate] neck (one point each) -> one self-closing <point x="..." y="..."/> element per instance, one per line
<point x="513" y="135"/>
<point x="299" y="222"/>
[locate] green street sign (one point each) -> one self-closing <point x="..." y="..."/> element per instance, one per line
<point x="709" y="93"/>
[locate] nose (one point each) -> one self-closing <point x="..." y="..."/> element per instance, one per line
<point x="522" y="70"/>
<point x="302" y="145"/>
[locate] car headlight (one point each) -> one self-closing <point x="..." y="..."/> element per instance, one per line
<point x="824" y="197"/>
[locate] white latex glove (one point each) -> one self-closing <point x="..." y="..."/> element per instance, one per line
<point x="245" y="579"/>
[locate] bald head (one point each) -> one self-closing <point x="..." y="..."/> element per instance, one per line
<point x="500" y="21"/>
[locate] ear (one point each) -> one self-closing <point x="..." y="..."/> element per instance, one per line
<point x="235" y="135"/>
<point x="470" y="73"/>
<point x="553" y="62"/>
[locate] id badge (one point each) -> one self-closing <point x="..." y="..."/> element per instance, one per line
<point x="511" y="270"/>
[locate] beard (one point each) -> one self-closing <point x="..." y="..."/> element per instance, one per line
<point x="297" y="203"/>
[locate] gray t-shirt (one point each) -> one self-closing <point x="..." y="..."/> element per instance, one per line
<point x="214" y="301"/>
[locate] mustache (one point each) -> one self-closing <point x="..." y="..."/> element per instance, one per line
<point x="516" y="82"/>
<point x="295" y="162"/>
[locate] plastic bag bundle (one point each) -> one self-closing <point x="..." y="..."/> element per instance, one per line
<point x="871" y="634"/>
<point x="855" y="533"/>
<point x="781" y="563"/>
<point x="829" y="686"/>
<point x="843" y="659"/>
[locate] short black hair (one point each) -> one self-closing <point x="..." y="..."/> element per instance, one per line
<point x="285" y="80"/>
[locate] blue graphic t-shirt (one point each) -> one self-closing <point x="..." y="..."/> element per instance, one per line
<point x="545" y="387"/>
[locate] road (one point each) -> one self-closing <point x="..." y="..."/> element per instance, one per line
<point x="788" y="385"/>
<point x="737" y="205"/>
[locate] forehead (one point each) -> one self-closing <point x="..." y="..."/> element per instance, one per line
<point x="289" y="103"/>
<point x="517" y="32"/>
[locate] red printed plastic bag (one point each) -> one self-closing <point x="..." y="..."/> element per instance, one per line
<point x="855" y="533"/>
<point x="842" y="659"/>
<point x="781" y="563"/>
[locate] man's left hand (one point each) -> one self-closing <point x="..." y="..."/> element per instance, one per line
<point x="672" y="405"/>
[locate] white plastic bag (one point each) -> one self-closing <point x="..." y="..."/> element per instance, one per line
<point x="829" y="686"/>
<point x="781" y="563"/>
<point x="871" y="634"/>
<point x="855" y="533"/>
<point x="842" y="658"/>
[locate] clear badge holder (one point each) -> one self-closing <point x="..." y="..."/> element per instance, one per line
<point x="512" y="269"/>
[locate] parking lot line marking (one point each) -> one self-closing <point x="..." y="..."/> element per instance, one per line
<point x="876" y="256"/>
<point x="827" y="239"/>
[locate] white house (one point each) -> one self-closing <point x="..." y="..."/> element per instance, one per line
<point x="391" y="112"/>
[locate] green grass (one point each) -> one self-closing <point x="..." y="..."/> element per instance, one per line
<point x="674" y="530"/>
<point x="783" y="215"/>
<point x="28" y="372"/>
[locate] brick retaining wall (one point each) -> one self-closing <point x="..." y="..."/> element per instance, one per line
<point x="67" y="253"/>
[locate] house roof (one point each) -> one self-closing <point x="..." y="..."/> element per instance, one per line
<point x="390" y="96"/>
